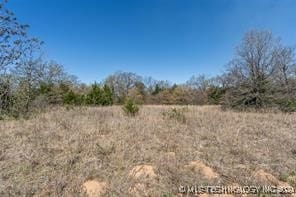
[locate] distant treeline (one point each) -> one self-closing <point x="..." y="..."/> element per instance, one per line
<point x="262" y="74"/>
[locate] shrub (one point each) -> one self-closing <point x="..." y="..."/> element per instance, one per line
<point x="99" y="95"/>
<point x="72" y="98"/>
<point x="215" y="95"/>
<point x="130" y="107"/>
<point x="94" y="96"/>
<point x="6" y="96"/>
<point x="288" y="105"/>
<point x="107" y="96"/>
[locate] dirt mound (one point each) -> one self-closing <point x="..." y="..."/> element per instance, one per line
<point x="266" y="178"/>
<point x="94" y="188"/>
<point x="142" y="171"/>
<point x="204" y="170"/>
<point x="143" y="176"/>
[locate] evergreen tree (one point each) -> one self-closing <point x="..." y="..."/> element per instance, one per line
<point x="107" y="96"/>
<point x="95" y="96"/>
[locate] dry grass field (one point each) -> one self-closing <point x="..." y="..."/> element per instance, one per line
<point x="71" y="152"/>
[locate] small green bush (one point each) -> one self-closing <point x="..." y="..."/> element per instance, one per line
<point x="130" y="107"/>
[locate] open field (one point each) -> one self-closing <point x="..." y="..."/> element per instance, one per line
<point x="57" y="152"/>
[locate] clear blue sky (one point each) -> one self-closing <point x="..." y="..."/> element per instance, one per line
<point x="165" y="39"/>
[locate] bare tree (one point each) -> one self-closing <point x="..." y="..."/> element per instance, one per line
<point x="261" y="62"/>
<point x="199" y="86"/>
<point x="121" y="83"/>
<point x="22" y="70"/>
<point x="200" y="82"/>
<point x="13" y="39"/>
<point x="284" y="66"/>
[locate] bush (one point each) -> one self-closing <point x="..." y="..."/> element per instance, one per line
<point x="6" y="96"/>
<point x="94" y="96"/>
<point x="99" y="95"/>
<point x="215" y="95"/>
<point x="72" y="98"/>
<point x="107" y="96"/>
<point x="130" y="107"/>
<point x="288" y="105"/>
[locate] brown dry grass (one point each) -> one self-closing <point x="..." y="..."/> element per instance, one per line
<point x="56" y="152"/>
